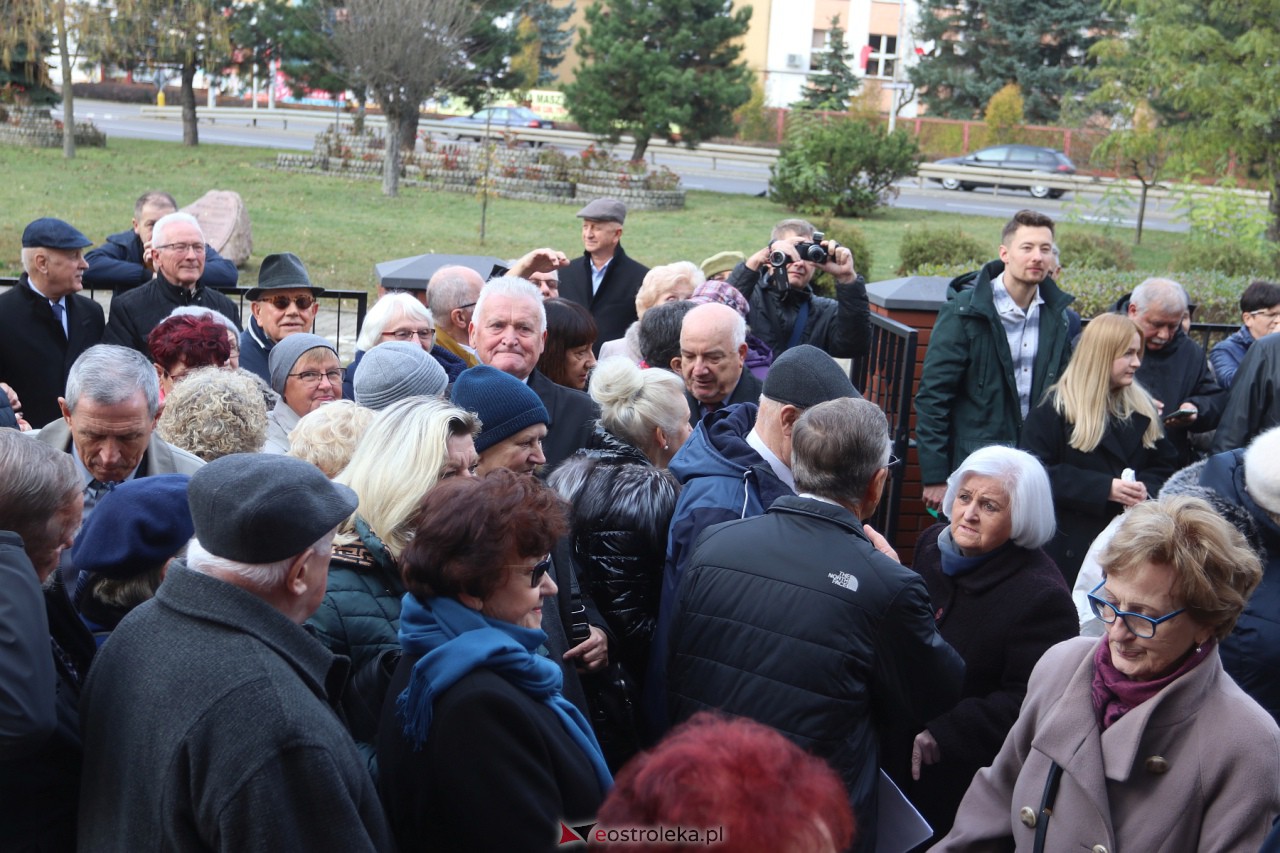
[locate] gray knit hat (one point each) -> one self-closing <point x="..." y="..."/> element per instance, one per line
<point x="262" y="507"/>
<point x="805" y="376"/>
<point x="504" y="404"/>
<point x="286" y="353"/>
<point x="395" y="370"/>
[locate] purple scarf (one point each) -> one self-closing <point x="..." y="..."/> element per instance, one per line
<point x="1115" y="694"/>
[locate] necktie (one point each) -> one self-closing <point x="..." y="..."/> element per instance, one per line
<point x="58" y="313"/>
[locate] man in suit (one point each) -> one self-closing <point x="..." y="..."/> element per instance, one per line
<point x="44" y="322"/>
<point x="713" y="354"/>
<point x="604" y="280"/>
<point x="124" y="261"/>
<point x="508" y="331"/>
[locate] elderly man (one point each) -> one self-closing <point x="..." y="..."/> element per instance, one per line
<point x="178" y="252"/>
<point x="736" y="463"/>
<point x="246" y="752"/>
<point x="852" y="642"/>
<point x="45" y="324"/>
<point x="784" y="309"/>
<point x="124" y="261"/>
<point x="306" y="373"/>
<point x="1174" y="370"/>
<point x="452" y="294"/>
<point x="604" y="280"/>
<point x="513" y="428"/>
<point x="713" y="354"/>
<point x="284" y="302"/>
<point x="508" y="331"/>
<point x="1000" y="340"/>
<point x="108" y="415"/>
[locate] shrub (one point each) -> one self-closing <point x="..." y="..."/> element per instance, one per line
<point x="934" y="247"/>
<point x="754" y="124"/>
<point x="840" y="167"/>
<point x="1216" y="294"/>
<point x="1004" y="114"/>
<point x="1094" y="251"/>
<point x="1229" y="257"/>
<point x="852" y="238"/>
<point x="129" y="93"/>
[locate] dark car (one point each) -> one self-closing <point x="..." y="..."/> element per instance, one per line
<point x="498" y="119"/>
<point x="1021" y="158"/>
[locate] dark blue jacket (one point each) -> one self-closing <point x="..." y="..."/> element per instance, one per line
<point x="117" y="264"/>
<point x="722" y="478"/>
<point x="1226" y="356"/>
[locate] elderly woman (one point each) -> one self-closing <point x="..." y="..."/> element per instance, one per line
<point x="46" y="650"/>
<point x="480" y="750"/>
<point x="623" y="497"/>
<point x="1140" y="740"/>
<point x="184" y="343"/>
<point x="399" y="317"/>
<point x="988" y="560"/>
<point x="327" y="437"/>
<point x="669" y="283"/>
<point x="214" y="412"/>
<point x="567" y="356"/>
<point x="406" y="450"/>
<point x="306" y="373"/>
<point x="233" y="334"/>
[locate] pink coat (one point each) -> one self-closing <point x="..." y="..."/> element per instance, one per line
<point x="1196" y="768"/>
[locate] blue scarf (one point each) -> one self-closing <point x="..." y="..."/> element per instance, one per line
<point x="955" y="564"/>
<point x="452" y="640"/>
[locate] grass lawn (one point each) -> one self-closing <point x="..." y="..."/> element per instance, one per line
<point x="341" y="228"/>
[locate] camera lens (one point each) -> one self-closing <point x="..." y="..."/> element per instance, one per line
<point x="778" y="258"/>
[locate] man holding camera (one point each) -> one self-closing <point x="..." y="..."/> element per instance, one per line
<point x="784" y="309"/>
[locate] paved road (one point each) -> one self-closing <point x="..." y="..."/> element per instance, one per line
<point x="728" y="176"/>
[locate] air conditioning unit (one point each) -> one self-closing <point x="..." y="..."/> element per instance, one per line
<point x="795" y="60"/>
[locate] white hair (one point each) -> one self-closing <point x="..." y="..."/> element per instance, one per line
<point x="1164" y="293"/>
<point x="258" y="577"/>
<point x="386" y="310"/>
<point x="512" y="287"/>
<point x="110" y="374"/>
<point x="1025" y="482"/>
<point x="163" y="223"/>
<point x="204" y="313"/>
<point x="634" y="401"/>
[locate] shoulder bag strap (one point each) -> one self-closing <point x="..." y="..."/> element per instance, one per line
<point x="1046" y="805"/>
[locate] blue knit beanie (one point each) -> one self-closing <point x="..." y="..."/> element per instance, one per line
<point x="504" y="404"/>
<point x="136" y="527"/>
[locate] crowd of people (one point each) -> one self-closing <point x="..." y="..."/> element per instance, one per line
<point x="573" y="551"/>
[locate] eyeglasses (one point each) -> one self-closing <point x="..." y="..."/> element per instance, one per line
<point x="281" y="303"/>
<point x="539" y="569"/>
<point x="182" y="248"/>
<point x="467" y="305"/>
<point x="893" y="462"/>
<point x="1139" y="625"/>
<point x="406" y="334"/>
<point x="312" y="377"/>
<point x="1266" y="314"/>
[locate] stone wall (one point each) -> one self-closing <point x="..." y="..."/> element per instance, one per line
<point x="35" y="128"/>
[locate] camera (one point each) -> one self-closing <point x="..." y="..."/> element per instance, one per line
<point x="808" y="251"/>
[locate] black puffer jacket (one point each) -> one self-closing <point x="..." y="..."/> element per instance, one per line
<point x="841" y="327"/>
<point x="622" y="507"/>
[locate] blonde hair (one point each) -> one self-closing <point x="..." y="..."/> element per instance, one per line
<point x="1084" y="395"/>
<point x="214" y="412"/>
<point x="399" y="459"/>
<point x="327" y="436"/>
<point x="634" y="401"/>
<point x="660" y="281"/>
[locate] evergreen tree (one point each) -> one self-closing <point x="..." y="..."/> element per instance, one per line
<point x="658" y="67"/>
<point x="553" y="36"/>
<point x="980" y="45"/>
<point x="833" y="84"/>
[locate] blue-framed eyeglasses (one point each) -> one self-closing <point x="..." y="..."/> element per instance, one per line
<point x="1139" y="625"/>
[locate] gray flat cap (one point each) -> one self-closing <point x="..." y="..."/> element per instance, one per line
<point x="395" y="370"/>
<point x="604" y="210"/>
<point x="283" y="355"/>
<point x="805" y="376"/>
<point x="262" y="507"/>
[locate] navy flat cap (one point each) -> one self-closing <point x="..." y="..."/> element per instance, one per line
<point x="49" y="233"/>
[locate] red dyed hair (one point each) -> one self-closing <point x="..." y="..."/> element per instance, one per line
<point x="190" y="340"/>
<point x="768" y="794"/>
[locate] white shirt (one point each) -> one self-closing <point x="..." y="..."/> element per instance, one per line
<point x="781" y="471"/>
<point x="1022" y="329"/>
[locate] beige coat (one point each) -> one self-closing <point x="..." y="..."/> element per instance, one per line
<point x="1196" y="768"/>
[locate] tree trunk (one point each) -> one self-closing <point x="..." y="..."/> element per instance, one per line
<point x="409" y="128"/>
<point x="190" y="135"/>
<point x="391" y="158"/>
<point x="1142" y="213"/>
<point x="642" y="145"/>
<point x="362" y="105"/>
<point x="1273" y="205"/>
<point x="68" y="97"/>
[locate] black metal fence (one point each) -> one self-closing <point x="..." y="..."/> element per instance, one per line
<point x="886" y="377"/>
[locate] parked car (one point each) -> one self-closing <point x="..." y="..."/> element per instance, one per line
<point x="1021" y="158"/>
<point x="498" y="119"/>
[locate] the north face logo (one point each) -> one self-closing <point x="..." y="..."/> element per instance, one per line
<point x="845" y="580"/>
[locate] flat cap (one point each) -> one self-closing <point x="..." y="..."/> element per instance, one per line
<point x="263" y="507"/>
<point x="721" y="262"/>
<point x="805" y="376"/>
<point x="285" y="354"/>
<point x="136" y="527"/>
<point x="49" y="233"/>
<point x="604" y="210"/>
<point x="284" y="270"/>
<point x="395" y="370"/>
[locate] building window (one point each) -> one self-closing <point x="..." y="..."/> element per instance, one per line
<point x="884" y="53"/>
<point x="817" y="47"/>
